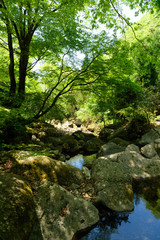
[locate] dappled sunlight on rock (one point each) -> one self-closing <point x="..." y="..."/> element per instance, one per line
<point x="60" y="214"/>
<point x="113" y="177"/>
<point x="42" y="168"/>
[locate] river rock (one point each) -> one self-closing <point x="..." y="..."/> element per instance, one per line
<point x="70" y="145"/>
<point x="60" y="214"/>
<point x="113" y="185"/>
<point x="139" y="166"/>
<point x="149" y="151"/>
<point x="86" y="173"/>
<point x="105" y="133"/>
<point x="133" y="147"/>
<point x="88" y="160"/>
<point x="149" y="137"/>
<point x="16" y="207"/>
<point x="44" y="168"/>
<point x="109" y="148"/>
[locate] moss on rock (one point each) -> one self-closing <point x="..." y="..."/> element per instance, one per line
<point x="16" y="207"/>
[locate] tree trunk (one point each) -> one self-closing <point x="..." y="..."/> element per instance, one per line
<point x="11" y="65"/>
<point x="23" y="63"/>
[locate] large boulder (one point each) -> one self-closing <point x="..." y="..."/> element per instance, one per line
<point x="16" y="208"/>
<point x="60" y="214"/>
<point x="114" y="175"/>
<point x="157" y="145"/>
<point x="113" y="185"/>
<point x="139" y="166"/>
<point x="44" y="168"/>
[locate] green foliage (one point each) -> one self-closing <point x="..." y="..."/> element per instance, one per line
<point x="117" y="79"/>
<point x="12" y="126"/>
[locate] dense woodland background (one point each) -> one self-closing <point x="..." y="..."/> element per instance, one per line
<point x="77" y="59"/>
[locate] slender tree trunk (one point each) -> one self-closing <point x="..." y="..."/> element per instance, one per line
<point x="11" y="65"/>
<point x="23" y="63"/>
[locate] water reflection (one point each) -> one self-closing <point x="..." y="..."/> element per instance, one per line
<point x="141" y="224"/>
<point x="107" y="226"/>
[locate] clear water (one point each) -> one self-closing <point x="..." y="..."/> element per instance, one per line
<point x="76" y="161"/>
<point x="141" y="224"/>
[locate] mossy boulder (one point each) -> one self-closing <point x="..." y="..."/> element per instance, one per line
<point x="88" y="160"/>
<point x="43" y="168"/>
<point x="16" y="208"/>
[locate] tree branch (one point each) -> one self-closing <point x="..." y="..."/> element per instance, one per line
<point x="66" y="88"/>
<point x="127" y="22"/>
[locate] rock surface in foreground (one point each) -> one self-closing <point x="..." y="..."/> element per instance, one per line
<point x="16" y="208"/>
<point x="61" y="214"/>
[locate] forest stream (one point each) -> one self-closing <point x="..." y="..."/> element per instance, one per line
<point x="79" y="120"/>
<point x="140" y="224"/>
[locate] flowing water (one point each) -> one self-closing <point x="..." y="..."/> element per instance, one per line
<point x="141" y="224"/>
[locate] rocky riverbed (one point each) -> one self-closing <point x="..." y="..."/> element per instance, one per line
<point x="44" y="197"/>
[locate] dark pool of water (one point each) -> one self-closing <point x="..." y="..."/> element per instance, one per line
<point x="141" y="224"/>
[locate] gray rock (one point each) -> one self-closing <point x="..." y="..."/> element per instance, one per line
<point x="149" y="151"/>
<point x="113" y="185"/>
<point x="114" y="157"/>
<point x="132" y="147"/>
<point x="149" y="137"/>
<point x="86" y="173"/>
<point x="139" y="166"/>
<point x="116" y="196"/>
<point x="109" y="148"/>
<point x="60" y="214"/>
